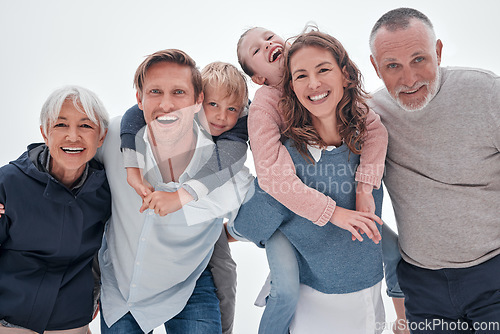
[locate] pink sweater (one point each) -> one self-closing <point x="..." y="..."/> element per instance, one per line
<point x="275" y="168"/>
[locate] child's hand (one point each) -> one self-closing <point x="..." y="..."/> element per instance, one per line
<point x="354" y="221"/>
<point x="163" y="202"/>
<point x="2" y="209"/>
<point x="143" y="189"/>
<point x="136" y="181"/>
<point x="364" y="198"/>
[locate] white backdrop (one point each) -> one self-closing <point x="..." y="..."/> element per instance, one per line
<point x="98" y="44"/>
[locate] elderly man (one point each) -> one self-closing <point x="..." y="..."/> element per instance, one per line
<point x="443" y="175"/>
<point x="154" y="269"/>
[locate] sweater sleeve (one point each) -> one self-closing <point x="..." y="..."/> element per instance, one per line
<point x="274" y="166"/>
<point x="371" y="164"/>
<point x="495" y="112"/>
<point x="228" y="159"/>
<point x="132" y="146"/>
<point x="132" y="122"/>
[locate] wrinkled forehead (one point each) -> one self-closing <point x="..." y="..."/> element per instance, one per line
<point x="416" y="38"/>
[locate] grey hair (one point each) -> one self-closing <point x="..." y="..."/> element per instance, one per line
<point x="81" y="97"/>
<point x="399" y="19"/>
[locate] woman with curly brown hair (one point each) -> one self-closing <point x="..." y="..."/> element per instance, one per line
<point x="325" y="113"/>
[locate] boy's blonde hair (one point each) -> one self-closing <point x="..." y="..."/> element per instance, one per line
<point x="228" y="77"/>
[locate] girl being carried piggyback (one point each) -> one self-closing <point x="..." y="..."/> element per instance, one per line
<point x="261" y="55"/>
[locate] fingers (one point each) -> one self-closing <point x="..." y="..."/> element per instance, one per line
<point x="152" y="201"/>
<point x="366" y="225"/>
<point x="145" y="202"/>
<point x="355" y="233"/>
<point x="371" y="231"/>
<point x="372" y="216"/>
<point x="377" y="219"/>
<point x="145" y="191"/>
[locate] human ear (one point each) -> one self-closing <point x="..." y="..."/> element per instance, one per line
<point x="345" y="77"/>
<point x="45" y="139"/>
<point x="101" y="141"/>
<point x="375" y="66"/>
<point x="258" y="79"/>
<point x="139" y="100"/>
<point x="439" y="49"/>
<point x="199" y="102"/>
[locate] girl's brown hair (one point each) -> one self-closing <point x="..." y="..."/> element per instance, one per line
<point x="351" y="110"/>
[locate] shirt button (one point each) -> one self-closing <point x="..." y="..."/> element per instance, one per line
<point x="143" y="239"/>
<point x="129" y="304"/>
<point x="137" y="263"/>
<point x="133" y="285"/>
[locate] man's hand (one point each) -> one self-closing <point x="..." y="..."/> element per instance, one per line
<point x="163" y="202"/>
<point x="2" y="209"/>
<point x="357" y="222"/>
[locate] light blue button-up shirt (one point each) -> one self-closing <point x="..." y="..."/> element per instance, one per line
<point x="150" y="264"/>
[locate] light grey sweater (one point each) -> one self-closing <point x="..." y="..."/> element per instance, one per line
<point x="443" y="171"/>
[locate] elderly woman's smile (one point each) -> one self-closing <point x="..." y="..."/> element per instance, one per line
<point x="73" y="140"/>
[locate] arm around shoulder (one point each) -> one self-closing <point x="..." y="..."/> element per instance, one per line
<point x="372" y="159"/>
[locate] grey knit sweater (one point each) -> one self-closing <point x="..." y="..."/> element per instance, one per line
<point x="443" y="171"/>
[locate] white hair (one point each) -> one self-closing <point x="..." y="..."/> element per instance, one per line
<point x="81" y="97"/>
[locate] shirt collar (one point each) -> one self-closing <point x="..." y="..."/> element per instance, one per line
<point x="316" y="151"/>
<point x="203" y="151"/>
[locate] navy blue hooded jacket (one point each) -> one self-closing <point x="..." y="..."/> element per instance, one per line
<point x="48" y="238"/>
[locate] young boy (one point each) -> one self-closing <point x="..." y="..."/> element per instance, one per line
<point x="224" y="117"/>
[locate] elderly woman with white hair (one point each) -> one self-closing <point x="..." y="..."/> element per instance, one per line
<point x="57" y="201"/>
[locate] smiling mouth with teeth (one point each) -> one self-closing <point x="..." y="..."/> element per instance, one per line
<point x="275" y="54"/>
<point x="409" y="92"/>
<point x="318" y="97"/>
<point x="72" y="150"/>
<point x="167" y="119"/>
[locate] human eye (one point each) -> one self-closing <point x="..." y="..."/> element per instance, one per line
<point x="419" y="59"/>
<point x="87" y="126"/>
<point x="212" y="104"/>
<point x="232" y="109"/>
<point x="324" y="69"/>
<point x="269" y="38"/>
<point x="256" y="51"/>
<point x="60" y="125"/>
<point x="392" y="66"/>
<point x="154" y="91"/>
<point x="300" y="76"/>
<point x="179" y="91"/>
